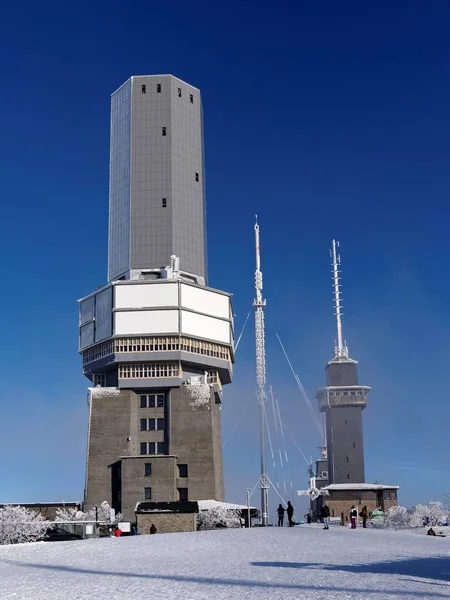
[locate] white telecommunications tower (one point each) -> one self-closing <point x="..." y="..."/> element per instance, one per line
<point x="340" y="350"/>
<point x="259" y="305"/>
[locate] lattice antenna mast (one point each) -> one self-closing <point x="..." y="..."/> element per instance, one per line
<point x="340" y="350"/>
<point x="259" y="304"/>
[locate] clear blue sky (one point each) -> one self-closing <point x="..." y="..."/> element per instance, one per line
<point x="328" y="119"/>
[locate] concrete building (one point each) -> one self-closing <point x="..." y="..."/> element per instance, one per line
<point x="342" y="481"/>
<point x="341" y="497"/>
<point x="342" y="402"/>
<point x="156" y="342"/>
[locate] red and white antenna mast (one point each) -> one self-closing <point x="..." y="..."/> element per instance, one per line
<point x="340" y="350"/>
<point x="259" y="305"/>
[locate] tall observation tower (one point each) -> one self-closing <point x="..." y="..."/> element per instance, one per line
<point x="342" y="401"/>
<point x="156" y="342"/>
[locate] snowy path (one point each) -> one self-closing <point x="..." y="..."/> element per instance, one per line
<point x="280" y="564"/>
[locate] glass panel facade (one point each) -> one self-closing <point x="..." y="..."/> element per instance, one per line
<point x="119" y="186"/>
<point x="86" y="310"/>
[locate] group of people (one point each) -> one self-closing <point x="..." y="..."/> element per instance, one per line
<point x="324" y="515"/>
<point x="117" y="532"/>
<point x="290" y="513"/>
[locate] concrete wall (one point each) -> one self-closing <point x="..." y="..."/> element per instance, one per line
<point x="134" y="481"/>
<point x="341" y="373"/>
<point x="191" y="436"/>
<point x="196" y="441"/>
<point x="166" y="522"/>
<point x="112" y="421"/>
<point x="345" y="445"/>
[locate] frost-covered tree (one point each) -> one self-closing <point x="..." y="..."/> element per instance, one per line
<point x="431" y="514"/>
<point x="103" y="514"/>
<point x="19" y="524"/>
<point x="217" y="517"/>
<point x="65" y="515"/>
<point x="397" y="516"/>
<point x="446" y="502"/>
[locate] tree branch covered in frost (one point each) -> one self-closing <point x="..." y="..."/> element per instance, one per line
<point x="19" y="524"/>
<point x="64" y="515"/>
<point x="431" y="514"/>
<point x="397" y="517"/>
<point x="218" y="517"/>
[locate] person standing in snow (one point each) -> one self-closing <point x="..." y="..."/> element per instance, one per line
<point x="153" y="528"/>
<point x="280" y="511"/>
<point x="290" y="513"/>
<point x="363" y="515"/>
<point x="353" y="516"/>
<point x="325" y="514"/>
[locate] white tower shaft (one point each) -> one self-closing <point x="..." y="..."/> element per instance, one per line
<point x="259" y="304"/>
<point x="340" y="350"/>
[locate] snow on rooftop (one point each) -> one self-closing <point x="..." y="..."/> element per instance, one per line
<point x="101" y="392"/>
<point x="272" y="563"/>
<point x="208" y="504"/>
<point x="360" y="486"/>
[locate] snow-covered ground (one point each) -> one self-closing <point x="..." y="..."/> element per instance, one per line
<point x="299" y="563"/>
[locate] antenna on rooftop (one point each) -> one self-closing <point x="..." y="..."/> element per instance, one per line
<point x="340" y="350"/>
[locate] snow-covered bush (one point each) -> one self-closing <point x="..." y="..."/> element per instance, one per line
<point x="66" y="515"/>
<point x="217" y="517"/>
<point x="396" y="517"/>
<point x="431" y="514"/>
<point x="19" y="524"/>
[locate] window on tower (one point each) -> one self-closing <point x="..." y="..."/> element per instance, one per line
<point x="191" y="96"/>
<point x="147" y="469"/>
<point x="348" y="459"/>
<point x="183" y="494"/>
<point x="164" y="202"/>
<point x="197" y="178"/>
<point x="182" y="470"/>
<point x="143" y="448"/>
<point x="160" y="448"/>
<point x="160" y="424"/>
<point x="164" y="131"/>
<point x="158" y="88"/>
<point x="143" y="426"/>
<point x="151" y="424"/>
<point x="179" y="92"/>
<point x="151" y="448"/>
<point x="148" y="493"/>
<point x="144" y="89"/>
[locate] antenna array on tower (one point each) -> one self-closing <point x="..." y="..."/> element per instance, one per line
<point x="340" y="350"/>
<point x="259" y="304"/>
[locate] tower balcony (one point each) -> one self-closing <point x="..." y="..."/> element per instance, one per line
<point x="337" y="396"/>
